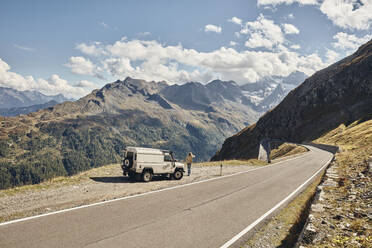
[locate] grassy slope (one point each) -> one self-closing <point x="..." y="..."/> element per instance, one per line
<point x="287" y="149"/>
<point x="355" y="142"/>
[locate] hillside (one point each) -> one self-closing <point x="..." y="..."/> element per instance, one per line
<point x="345" y="194"/>
<point x="340" y="93"/>
<point x="90" y="132"/>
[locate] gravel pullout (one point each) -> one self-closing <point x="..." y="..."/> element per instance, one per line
<point x="96" y="185"/>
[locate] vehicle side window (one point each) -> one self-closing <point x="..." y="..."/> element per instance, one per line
<point x="167" y="158"/>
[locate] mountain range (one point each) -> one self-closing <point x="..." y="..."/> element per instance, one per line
<point x="27" y="109"/>
<point x="77" y="135"/>
<point x="338" y="94"/>
<point x="260" y="96"/>
<point x="14" y="102"/>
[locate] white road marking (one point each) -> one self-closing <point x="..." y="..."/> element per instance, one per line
<point x="147" y="193"/>
<point x="251" y="226"/>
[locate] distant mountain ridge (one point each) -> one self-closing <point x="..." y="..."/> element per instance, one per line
<point x="270" y="91"/>
<point x="25" y="110"/>
<point x="194" y="95"/>
<point x="11" y="98"/>
<point x="340" y="93"/>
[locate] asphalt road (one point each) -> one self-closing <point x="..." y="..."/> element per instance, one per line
<point x="206" y="214"/>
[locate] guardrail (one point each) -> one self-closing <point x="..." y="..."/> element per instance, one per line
<point x="328" y="148"/>
<point x="265" y="147"/>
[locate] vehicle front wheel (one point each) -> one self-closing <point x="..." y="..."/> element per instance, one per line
<point x="178" y="174"/>
<point x="146" y="176"/>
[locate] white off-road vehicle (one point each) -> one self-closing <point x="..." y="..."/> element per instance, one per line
<point x="144" y="163"/>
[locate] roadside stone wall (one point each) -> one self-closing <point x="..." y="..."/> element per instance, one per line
<point x="341" y="214"/>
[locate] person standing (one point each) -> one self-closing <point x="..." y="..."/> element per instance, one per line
<point x="189" y="158"/>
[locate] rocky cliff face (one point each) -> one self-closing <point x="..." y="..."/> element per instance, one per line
<point x="340" y="93"/>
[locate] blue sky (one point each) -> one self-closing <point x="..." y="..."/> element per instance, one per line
<point x="72" y="47"/>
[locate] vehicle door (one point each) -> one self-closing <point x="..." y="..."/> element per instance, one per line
<point x="168" y="163"/>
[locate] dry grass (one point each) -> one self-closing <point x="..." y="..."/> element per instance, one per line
<point x="287" y="149"/>
<point x="355" y="142"/>
<point x="62" y="181"/>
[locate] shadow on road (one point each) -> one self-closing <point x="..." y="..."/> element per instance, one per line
<point x="112" y="179"/>
<point x="122" y="179"/>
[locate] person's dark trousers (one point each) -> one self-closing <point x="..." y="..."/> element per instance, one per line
<point x="188" y="169"/>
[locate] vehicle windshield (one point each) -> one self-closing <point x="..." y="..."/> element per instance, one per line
<point x="168" y="158"/>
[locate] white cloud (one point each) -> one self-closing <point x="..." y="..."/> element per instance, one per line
<point x="151" y="60"/>
<point x="51" y="86"/>
<point x="119" y="66"/>
<point x="24" y="48"/>
<point x="291" y="16"/>
<point x="288" y="2"/>
<point x="83" y="66"/>
<point x="258" y="40"/>
<point x="143" y="34"/>
<point x="349" y="42"/>
<point x="236" y="20"/>
<point x="295" y="46"/>
<point x="86" y="84"/>
<point x="263" y="33"/>
<point x="347" y="14"/>
<point x="233" y="43"/>
<point x="351" y="14"/>
<point x="290" y="29"/>
<point x="332" y="56"/>
<point x="92" y="50"/>
<point x="212" y="28"/>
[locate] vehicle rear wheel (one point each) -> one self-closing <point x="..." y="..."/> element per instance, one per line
<point x="178" y="174"/>
<point x="146" y="176"/>
<point x="127" y="163"/>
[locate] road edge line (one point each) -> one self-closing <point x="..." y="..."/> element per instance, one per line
<point x="265" y="215"/>
<point x="145" y="193"/>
